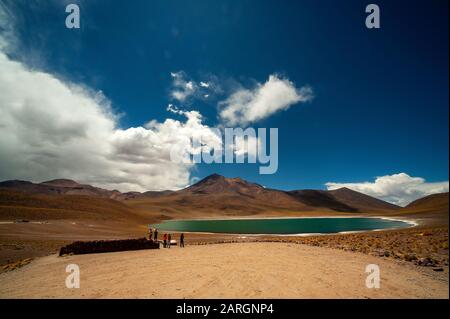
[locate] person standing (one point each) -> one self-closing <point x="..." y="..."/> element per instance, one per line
<point x="150" y="233"/>
<point x="155" y="234"/>
<point x="182" y="240"/>
<point x="165" y="240"/>
<point x="169" y="240"/>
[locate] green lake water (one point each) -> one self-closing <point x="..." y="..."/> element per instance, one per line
<point x="281" y="226"/>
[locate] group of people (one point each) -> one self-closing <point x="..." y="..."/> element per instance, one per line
<point x="167" y="238"/>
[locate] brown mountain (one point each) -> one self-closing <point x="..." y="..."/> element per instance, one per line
<point x="217" y="194"/>
<point x="62" y="187"/>
<point x="21" y="205"/>
<point x="320" y="198"/>
<point x="360" y="201"/>
<point x="234" y="189"/>
<point x="435" y="203"/>
<point x="215" y="183"/>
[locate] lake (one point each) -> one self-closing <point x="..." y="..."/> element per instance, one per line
<point x="281" y="226"/>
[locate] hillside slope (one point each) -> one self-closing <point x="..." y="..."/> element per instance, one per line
<point x="433" y="203"/>
<point x="360" y="201"/>
<point x="18" y="205"/>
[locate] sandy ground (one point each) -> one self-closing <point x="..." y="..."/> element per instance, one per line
<point x="237" y="270"/>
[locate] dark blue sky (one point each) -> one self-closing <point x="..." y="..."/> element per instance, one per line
<point x="381" y="96"/>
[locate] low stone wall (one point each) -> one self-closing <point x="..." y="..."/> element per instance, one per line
<point x="106" y="246"/>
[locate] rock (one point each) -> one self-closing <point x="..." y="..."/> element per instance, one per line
<point x="410" y="257"/>
<point x="398" y="256"/>
<point x="381" y="253"/>
<point x="426" y="262"/>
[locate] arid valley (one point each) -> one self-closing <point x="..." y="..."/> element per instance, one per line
<point x="37" y="219"/>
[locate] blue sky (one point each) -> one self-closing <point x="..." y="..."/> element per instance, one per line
<point x="380" y="103"/>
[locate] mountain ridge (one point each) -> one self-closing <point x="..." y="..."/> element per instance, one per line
<point x="217" y="191"/>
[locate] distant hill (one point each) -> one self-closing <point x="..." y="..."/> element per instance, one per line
<point x="320" y="198"/>
<point x="213" y="195"/>
<point x="360" y="201"/>
<point x="19" y="205"/>
<point x="436" y="203"/>
<point x="63" y="187"/>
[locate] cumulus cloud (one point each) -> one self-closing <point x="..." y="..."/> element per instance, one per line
<point x="52" y="129"/>
<point x="245" y="106"/>
<point x="399" y="189"/>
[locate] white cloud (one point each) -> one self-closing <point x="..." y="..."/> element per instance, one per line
<point x="190" y="86"/>
<point x="246" y="106"/>
<point x="50" y="128"/>
<point x="399" y="189"/>
<point x="173" y="109"/>
<point x="54" y="129"/>
<point x="182" y="88"/>
<point x="185" y="90"/>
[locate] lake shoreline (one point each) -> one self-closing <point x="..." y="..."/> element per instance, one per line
<point x="407" y="224"/>
<point x="22" y="241"/>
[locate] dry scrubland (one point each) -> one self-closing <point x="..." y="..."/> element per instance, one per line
<point x="426" y="247"/>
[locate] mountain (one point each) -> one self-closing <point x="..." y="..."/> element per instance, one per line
<point x="343" y="199"/>
<point x="62" y="183"/>
<point x="217" y="194"/>
<point x="149" y="194"/>
<point x="320" y="198"/>
<point x="215" y="183"/>
<point x="435" y="203"/>
<point x="234" y="188"/>
<point x="62" y="187"/>
<point x="360" y="201"/>
<point x="15" y="205"/>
